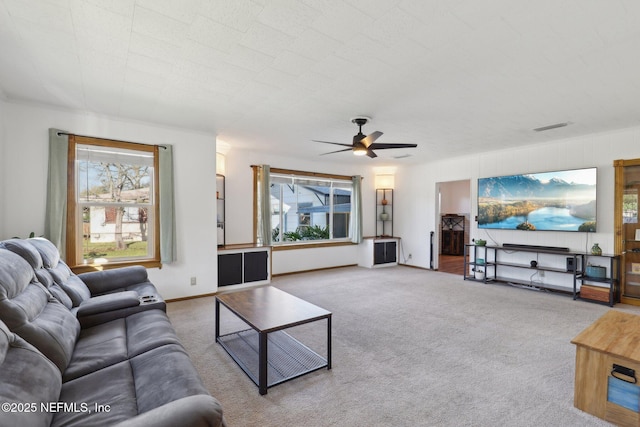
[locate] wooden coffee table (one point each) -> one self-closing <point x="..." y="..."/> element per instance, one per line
<point x="267" y="354"/>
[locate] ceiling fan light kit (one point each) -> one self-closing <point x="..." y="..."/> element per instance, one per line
<point x="359" y="151"/>
<point x="364" y="145"/>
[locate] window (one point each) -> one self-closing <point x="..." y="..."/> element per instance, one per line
<point x="309" y="207"/>
<point x="112" y="211"/>
<point x="630" y="206"/>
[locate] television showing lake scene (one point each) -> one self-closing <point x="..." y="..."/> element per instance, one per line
<point x="548" y="201"/>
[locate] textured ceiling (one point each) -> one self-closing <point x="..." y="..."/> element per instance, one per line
<point x="453" y="76"/>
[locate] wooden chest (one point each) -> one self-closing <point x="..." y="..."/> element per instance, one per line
<point x="599" y="388"/>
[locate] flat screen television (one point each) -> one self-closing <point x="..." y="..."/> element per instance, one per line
<point x="549" y="201"/>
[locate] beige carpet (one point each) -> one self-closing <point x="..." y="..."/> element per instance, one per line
<point x="410" y="348"/>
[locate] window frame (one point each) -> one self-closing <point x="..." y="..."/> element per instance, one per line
<point x="305" y="244"/>
<point x="73" y="255"/>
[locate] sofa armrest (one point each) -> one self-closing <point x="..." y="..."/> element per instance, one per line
<point x="100" y="282"/>
<point x="108" y="302"/>
<point x="194" y="411"/>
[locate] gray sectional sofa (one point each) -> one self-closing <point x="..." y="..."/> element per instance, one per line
<point x="90" y="350"/>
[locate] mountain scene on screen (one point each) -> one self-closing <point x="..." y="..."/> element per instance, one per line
<point x="524" y="202"/>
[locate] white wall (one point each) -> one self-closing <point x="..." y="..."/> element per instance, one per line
<point x="455" y="197"/>
<point x="24" y="165"/>
<point x="416" y="216"/>
<point x="239" y="207"/>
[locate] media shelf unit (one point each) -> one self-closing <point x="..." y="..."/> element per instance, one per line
<point x="567" y="271"/>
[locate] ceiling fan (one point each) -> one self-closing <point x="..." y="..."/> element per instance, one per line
<point x="365" y="144"/>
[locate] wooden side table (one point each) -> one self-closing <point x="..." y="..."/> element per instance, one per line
<point x="607" y="368"/>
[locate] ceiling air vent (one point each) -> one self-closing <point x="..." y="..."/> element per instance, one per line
<point x="557" y="125"/>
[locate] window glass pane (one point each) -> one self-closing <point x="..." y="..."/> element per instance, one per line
<point x="290" y="219"/>
<point x="305" y="209"/>
<point x="111" y="232"/>
<point x="630" y="206"/>
<point x="341" y="209"/>
<point x="110" y="175"/>
<point x="114" y="204"/>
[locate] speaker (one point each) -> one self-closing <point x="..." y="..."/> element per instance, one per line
<point x="570" y="265"/>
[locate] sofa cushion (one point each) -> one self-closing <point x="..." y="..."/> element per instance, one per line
<point x="140" y="384"/>
<point x="60" y="272"/>
<point x="105" y="281"/>
<point x="113" y="386"/>
<point x="115" y="341"/>
<point x="29" y="310"/>
<point x="48" y="251"/>
<point x="15" y="274"/>
<point x="70" y="283"/>
<point x="27" y="378"/>
<point x="29" y="252"/>
<point x="109" y="302"/>
<point x="195" y="411"/>
<point x="25" y="250"/>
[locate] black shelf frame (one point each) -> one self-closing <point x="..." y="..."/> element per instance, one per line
<point x="384" y="227"/>
<point x="613" y="280"/>
<point x="220" y="208"/>
<point x="491" y="264"/>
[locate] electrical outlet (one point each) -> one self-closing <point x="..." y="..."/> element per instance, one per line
<point x="410" y="256"/>
<point x="541" y="273"/>
<point x="193" y="281"/>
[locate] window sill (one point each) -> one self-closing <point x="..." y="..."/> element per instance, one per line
<point x="307" y="245"/>
<point x="84" y="268"/>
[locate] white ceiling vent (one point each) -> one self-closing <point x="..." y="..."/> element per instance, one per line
<point x="557" y="125"/>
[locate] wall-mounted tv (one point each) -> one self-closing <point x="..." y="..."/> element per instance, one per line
<point x="550" y="201"/>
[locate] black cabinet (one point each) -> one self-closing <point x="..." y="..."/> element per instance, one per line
<point x="376" y="252"/>
<point x="255" y="266"/>
<point x="243" y="264"/>
<point x="229" y="269"/>
<point x="384" y="252"/>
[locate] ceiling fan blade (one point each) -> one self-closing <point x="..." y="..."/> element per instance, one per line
<point x="339" y="151"/>
<point x="371" y="154"/>
<point x="383" y="146"/>
<point x="334" y="143"/>
<point x="370" y="139"/>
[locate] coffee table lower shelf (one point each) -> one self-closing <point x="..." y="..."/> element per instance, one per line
<point x="288" y="357"/>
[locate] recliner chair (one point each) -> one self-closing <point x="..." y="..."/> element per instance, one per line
<point x="95" y="297"/>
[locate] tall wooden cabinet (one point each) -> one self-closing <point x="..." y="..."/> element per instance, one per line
<point x="627" y="228"/>
<point x="452" y="237"/>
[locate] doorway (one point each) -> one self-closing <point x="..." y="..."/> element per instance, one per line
<point x="453" y="215"/>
